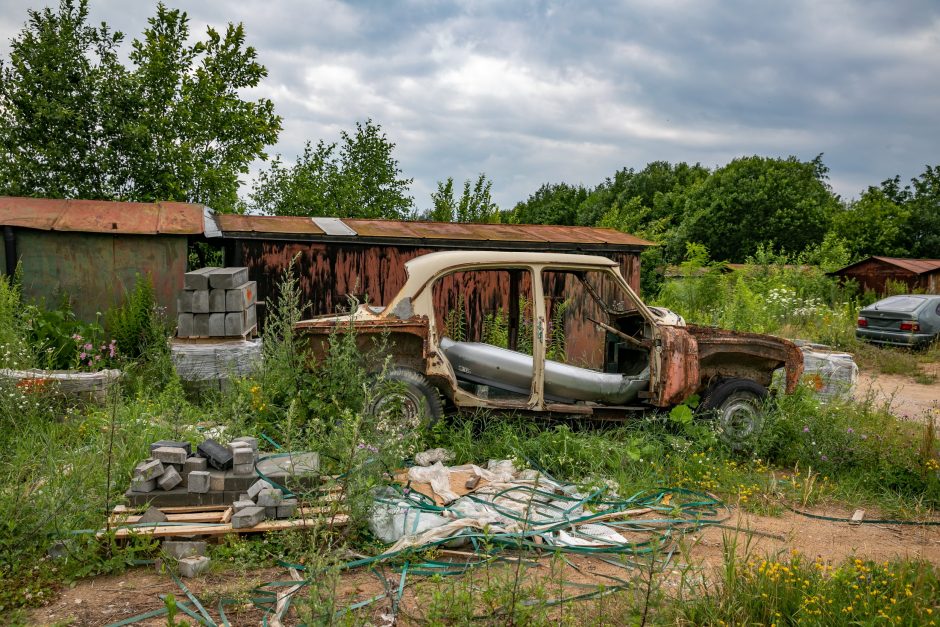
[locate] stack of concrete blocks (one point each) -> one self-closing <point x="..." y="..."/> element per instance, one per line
<point x="214" y="474"/>
<point x="217" y="302"/>
<point x="173" y="464"/>
<point x="261" y="501"/>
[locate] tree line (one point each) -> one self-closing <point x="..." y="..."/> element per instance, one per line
<point x="173" y="124"/>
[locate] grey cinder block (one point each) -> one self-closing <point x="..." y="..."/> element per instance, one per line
<point x="217" y="481"/>
<point x="192" y="566"/>
<point x="184" y="302"/>
<point x="243" y="455"/>
<point x="217" y="301"/>
<point x="270" y="497"/>
<point x="178" y="549"/>
<point x="244" y="469"/>
<point x="270" y="512"/>
<point x="235" y="323"/>
<point x="149" y="469"/>
<point x="242" y="504"/>
<point x="194" y="463"/>
<point x="241" y="298"/>
<point x="201" y="325"/>
<point x="152" y="515"/>
<point x="228" y="278"/>
<point x="183" y="444"/>
<point x="169" y="479"/>
<point x="257" y="487"/>
<point x="197" y="482"/>
<point x="248" y="517"/>
<point x="217" y="324"/>
<point x="247" y="439"/>
<point x="139" y="484"/>
<point x="198" y="279"/>
<point x="286" y="508"/>
<point x="251" y="317"/>
<point x="200" y="301"/>
<point x="184" y="325"/>
<point x="170" y="454"/>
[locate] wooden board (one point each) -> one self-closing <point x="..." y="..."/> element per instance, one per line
<point x="220" y="530"/>
<point x="458" y="484"/>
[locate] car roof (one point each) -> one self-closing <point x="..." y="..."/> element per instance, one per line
<point x="432" y="263"/>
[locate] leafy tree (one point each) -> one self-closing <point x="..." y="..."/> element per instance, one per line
<point x="58" y="123"/>
<point x="785" y="203"/>
<point x="551" y="204"/>
<point x="874" y="225"/>
<point x="924" y="221"/>
<point x="359" y="178"/>
<point x="475" y="204"/>
<point x="75" y="122"/>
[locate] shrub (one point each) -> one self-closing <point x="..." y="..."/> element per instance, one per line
<point x="137" y="325"/>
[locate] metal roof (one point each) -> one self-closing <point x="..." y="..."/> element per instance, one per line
<point x="102" y="216"/>
<point x="916" y="266"/>
<point x="259" y="226"/>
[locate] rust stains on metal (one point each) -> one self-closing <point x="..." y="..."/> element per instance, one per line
<point x="496" y="234"/>
<point x="678" y="374"/>
<point x="746" y="355"/>
<point x="102" y="216"/>
<point x="874" y="273"/>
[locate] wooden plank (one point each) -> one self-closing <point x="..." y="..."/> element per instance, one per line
<point x="221" y="530"/>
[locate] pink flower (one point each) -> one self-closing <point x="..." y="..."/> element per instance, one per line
<point x="77" y="337"/>
<point x="89" y="346"/>
<point x="82" y="355"/>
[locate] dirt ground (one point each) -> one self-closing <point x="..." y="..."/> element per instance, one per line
<point x="905" y="397"/>
<point x="103" y="600"/>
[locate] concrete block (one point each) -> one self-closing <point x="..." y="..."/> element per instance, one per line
<point x="244" y="469"/>
<point x="191" y="566"/>
<point x="270" y="497"/>
<point x="242" y="455"/>
<point x="217" y="324"/>
<point x="194" y="463"/>
<point x="152" y="515"/>
<point x="247" y="439"/>
<point x="197" y="482"/>
<point x="139" y="484"/>
<point x="217" y="301"/>
<point x="228" y="278"/>
<point x="244" y="497"/>
<point x="251" y="317"/>
<point x="200" y="301"/>
<point x="183" y="444"/>
<point x="184" y="325"/>
<point x="201" y="325"/>
<point x="170" y="454"/>
<point x="184" y="302"/>
<point x="270" y="513"/>
<point x="169" y="479"/>
<point x="217" y="481"/>
<point x="241" y="297"/>
<point x="149" y="469"/>
<point x="197" y="279"/>
<point x="217" y="455"/>
<point x="242" y="504"/>
<point x="178" y="549"/>
<point x="248" y="517"/>
<point x="257" y="487"/>
<point x="235" y="323"/>
<point x="287" y="508"/>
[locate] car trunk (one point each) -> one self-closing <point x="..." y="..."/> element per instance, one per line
<point x="890" y="315"/>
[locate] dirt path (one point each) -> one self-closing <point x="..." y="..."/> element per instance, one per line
<point x="102" y="600"/>
<point x="903" y="395"/>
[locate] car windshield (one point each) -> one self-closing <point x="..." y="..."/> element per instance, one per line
<point x="899" y="303"/>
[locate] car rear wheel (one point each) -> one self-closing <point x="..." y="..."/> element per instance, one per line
<point x="406" y="396"/>
<point x="737" y="405"/>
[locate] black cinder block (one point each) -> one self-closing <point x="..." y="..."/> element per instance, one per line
<point x="218" y="456"/>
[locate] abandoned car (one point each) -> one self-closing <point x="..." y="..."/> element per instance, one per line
<point x="562" y="334"/>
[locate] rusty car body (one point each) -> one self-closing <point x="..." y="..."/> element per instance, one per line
<point x="681" y="360"/>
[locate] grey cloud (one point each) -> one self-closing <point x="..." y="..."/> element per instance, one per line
<point x="540" y="91"/>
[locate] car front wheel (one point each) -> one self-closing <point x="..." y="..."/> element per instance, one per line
<point x="407" y="397"/>
<point x="737" y="405"/>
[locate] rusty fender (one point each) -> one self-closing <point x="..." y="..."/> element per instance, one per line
<point x="724" y="353"/>
<point x="407" y="339"/>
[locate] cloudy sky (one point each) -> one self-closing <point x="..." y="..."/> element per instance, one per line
<point x="550" y="91"/>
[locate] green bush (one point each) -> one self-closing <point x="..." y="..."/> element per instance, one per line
<point x="137" y="325"/>
<point x="14" y="342"/>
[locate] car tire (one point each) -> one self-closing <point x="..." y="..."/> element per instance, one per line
<point x="737" y="406"/>
<point x="418" y="401"/>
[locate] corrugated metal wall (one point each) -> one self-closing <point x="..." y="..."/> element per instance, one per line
<point x="874" y="274"/>
<point x="328" y="273"/>
<point x="94" y="270"/>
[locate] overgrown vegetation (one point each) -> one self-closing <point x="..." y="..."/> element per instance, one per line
<point x="54" y="478"/>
